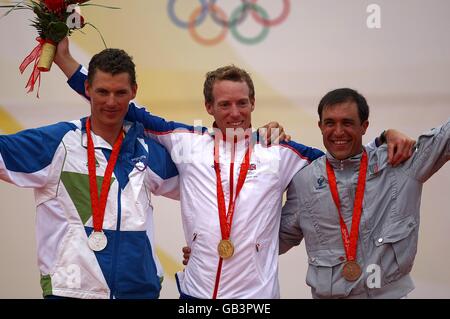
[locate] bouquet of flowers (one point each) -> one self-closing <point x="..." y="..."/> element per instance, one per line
<point x="54" y="20"/>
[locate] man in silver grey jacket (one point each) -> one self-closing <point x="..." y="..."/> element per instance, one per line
<point x="360" y="218"/>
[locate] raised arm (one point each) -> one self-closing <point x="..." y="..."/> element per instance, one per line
<point x="432" y="152"/>
<point x="64" y="59"/>
<point x="156" y="128"/>
<point x="400" y="146"/>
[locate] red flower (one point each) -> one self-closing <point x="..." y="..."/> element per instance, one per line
<point x="55" y="6"/>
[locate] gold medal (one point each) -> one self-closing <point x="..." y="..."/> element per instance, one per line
<point x="351" y="271"/>
<point x="225" y="248"/>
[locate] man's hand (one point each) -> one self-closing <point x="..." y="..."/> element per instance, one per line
<point x="64" y="59"/>
<point x="186" y="255"/>
<point x="273" y="133"/>
<point x="400" y="147"/>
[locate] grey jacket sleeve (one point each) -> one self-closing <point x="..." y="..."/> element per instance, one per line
<point x="432" y="152"/>
<point x="290" y="232"/>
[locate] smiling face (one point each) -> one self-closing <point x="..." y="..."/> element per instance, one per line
<point x="110" y="95"/>
<point x="231" y="106"/>
<point x="342" y="130"/>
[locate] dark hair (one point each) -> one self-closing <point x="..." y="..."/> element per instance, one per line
<point x="345" y="95"/>
<point x="230" y="73"/>
<point x="113" y="61"/>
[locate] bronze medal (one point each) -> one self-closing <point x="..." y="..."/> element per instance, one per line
<point x="351" y="271"/>
<point x="225" y="248"/>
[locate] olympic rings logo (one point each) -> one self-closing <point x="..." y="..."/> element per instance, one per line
<point x="237" y="16"/>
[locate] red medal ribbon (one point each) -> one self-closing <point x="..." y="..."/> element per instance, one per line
<point x="227" y="219"/>
<point x="350" y="241"/>
<point x="36" y="73"/>
<point x="98" y="207"/>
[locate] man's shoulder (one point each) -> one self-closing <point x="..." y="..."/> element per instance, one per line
<point x="52" y="132"/>
<point x="305" y="152"/>
<point x="32" y="150"/>
<point x="69" y="125"/>
<point x="311" y="172"/>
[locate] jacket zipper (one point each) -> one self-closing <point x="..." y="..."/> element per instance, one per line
<point x="116" y="245"/>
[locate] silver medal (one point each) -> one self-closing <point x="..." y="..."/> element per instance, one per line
<point x="97" y="241"/>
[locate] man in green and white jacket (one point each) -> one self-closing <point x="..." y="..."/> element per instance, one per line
<point x="53" y="160"/>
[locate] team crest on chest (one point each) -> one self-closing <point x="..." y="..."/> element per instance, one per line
<point x="321" y="183"/>
<point x="140" y="163"/>
<point x="373" y="169"/>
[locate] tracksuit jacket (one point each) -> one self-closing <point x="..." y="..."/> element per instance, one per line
<point x="53" y="161"/>
<point x="389" y="227"/>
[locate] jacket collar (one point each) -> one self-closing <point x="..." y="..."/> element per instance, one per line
<point x="351" y="163"/>
<point x="132" y="131"/>
<point x="217" y="131"/>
